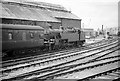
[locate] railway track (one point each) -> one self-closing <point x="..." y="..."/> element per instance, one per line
<point x="59" y="65"/>
<point x="86" y="46"/>
<point x="64" y="73"/>
<point x="50" y="55"/>
<point x="75" y="68"/>
<point x="51" y="59"/>
<point x="114" y="76"/>
<point x="48" y="72"/>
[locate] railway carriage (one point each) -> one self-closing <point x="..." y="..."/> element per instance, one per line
<point x="16" y="37"/>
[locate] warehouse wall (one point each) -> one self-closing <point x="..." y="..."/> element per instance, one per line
<point x="71" y="23"/>
<point x="55" y="25"/>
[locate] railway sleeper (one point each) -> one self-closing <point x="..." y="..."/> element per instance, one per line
<point x="99" y="74"/>
<point x="81" y="69"/>
<point x="85" y="63"/>
<point x="28" y="66"/>
<point x="49" y="61"/>
<point x="85" y="68"/>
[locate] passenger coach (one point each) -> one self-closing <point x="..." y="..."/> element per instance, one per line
<point x="16" y="37"/>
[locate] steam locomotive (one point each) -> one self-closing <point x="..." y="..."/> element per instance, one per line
<point x="17" y="39"/>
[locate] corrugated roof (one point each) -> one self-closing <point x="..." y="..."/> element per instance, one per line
<point x="67" y="15"/>
<point x="36" y="3"/>
<point x="35" y="13"/>
<point x="6" y="13"/>
<point x="59" y="14"/>
<point x="19" y="12"/>
<point x="55" y="13"/>
<point x="47" y="5"/>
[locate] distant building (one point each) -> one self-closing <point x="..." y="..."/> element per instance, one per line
<point x="112" y="30"/>
<point x="89" y="32"/>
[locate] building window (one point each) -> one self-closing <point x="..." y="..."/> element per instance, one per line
<point x="10" y="36"/>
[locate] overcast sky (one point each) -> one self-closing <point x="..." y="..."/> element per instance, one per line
<point x="94" y="13"/>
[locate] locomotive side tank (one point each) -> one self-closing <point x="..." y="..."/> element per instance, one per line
<point x="73" y="35"/>
<point x="68" y="36"/>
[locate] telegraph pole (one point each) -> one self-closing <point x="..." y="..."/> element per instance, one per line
<point x="102" y="30"/>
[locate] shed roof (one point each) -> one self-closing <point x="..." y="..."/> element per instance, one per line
<point x="47" y="5"/>
<point x="25" y="13"/>
<point x="28" y="27"/>
<point x="40" y="4"/>
<point x="48" y="12"/>
<point x="67" y="15"/>
<point x="59" y="12"/>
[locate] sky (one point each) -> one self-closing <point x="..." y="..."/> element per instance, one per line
<point x="94" y="13"/>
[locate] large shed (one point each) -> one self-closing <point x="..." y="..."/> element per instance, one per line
<point x="20" y="13"/>
<point x="38" y="13"/>
<point x="67" y="18"/>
